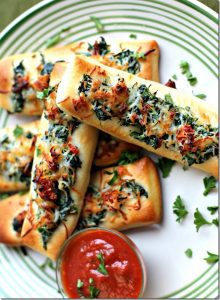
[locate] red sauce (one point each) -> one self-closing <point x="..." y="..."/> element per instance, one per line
<point x="79" y="261"/>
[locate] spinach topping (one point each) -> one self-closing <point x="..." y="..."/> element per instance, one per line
<point x="20" y="83"/>
<point x="20" y="69"/>
<point x="17" y="225"/>
<point x="46" y="234"/>
<point x="93" y="220"/>
<point x="102" y="111"/>
<point x="128" y="157"/>
<point x="73" y="160"/>
<point x="29" y="135"/>
<point x="99" y="47"/>
<point x="4" y="141"/>
<point x="129" y="58"/>
<point x="65" y="203"/>
<point x="47" y="69"/>
<point x="85" y="85"/>
<point x="47" y="66"/>
<point x="136" y="188"/>
<point x="61" y="132"/>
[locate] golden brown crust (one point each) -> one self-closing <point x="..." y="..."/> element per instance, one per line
<point x="9" y="209"/>
<point x="22" y="149"/>
<point x="109" y="150"/>
<point x="80" y="66"/>
<point x="132" y="212"/>
<point x="85" y="138"/>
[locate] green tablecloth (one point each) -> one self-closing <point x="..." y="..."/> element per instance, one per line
<point x="10" y="9"/>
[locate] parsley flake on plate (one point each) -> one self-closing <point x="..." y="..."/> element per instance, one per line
<point x="54" y="40"/>
<point x="212" y="209"/>
<point x="99" y="26"/>
<point x="185" y="68"/>
<point x="179" y="209"/>
<point x="215" y="222"/>
<point x="212" y="258"/>
<point x="199" y="220"/>
<point x="133" y="36"/>
<point x="209" y="183"/>
<point x="201" y="96"/>
<point x="189" y="252"/>
<point x="165" y="165"/>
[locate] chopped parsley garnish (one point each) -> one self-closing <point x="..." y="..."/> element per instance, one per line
<point x="189" y="252"/>
<point x="48" y="263"/>
<point x="4" y="196"/>
<point x="94" y="292"/>
<point x="168" y="98"/>
<point x="21" y="193"/>
<point x="45" y="93"/>
<point x="39" y="152"/>
<point x="133" y="36"/>
<point x="53" y="40"/>
<point x="114" y="178"/>
<point x="191" y="79"/>
<point x="101" y="268"/>
<point x="174" y="76"/>
<point x="199" y="220"/>
<point x="212" y="209"/>
<point x="165" y="165"/>
<point x="201" y="96"/>
<point x="185" y="67"/>
<point x="209" y="183"/>
<point x="79" y="286"/>
<point x="18" y="131"/>
<point x="179" y="209"/>
<point x="212" y="258"/>
<point x="128" y="157"/>
<point x="56" y="38"/>
<point x="99" y="26"/>
<point x="215" y="222"/>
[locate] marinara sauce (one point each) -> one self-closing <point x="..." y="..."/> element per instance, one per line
<point x="98" y="263"/>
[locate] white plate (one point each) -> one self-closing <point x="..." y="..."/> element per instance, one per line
<point x="185" y="30"/>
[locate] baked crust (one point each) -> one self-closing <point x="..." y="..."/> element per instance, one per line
<point x="9" y="209"/>
<point x="22" y="149"/>
<point x="124" y="213"/>
<point x="110" y="149"/>
<point x="68" y="100"/>
<point x="84" y="138"/>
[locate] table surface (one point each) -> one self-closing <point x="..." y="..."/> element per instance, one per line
<point x="10" y="9"/>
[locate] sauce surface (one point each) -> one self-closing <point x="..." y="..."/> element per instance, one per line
<point x="100" y="264"/>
